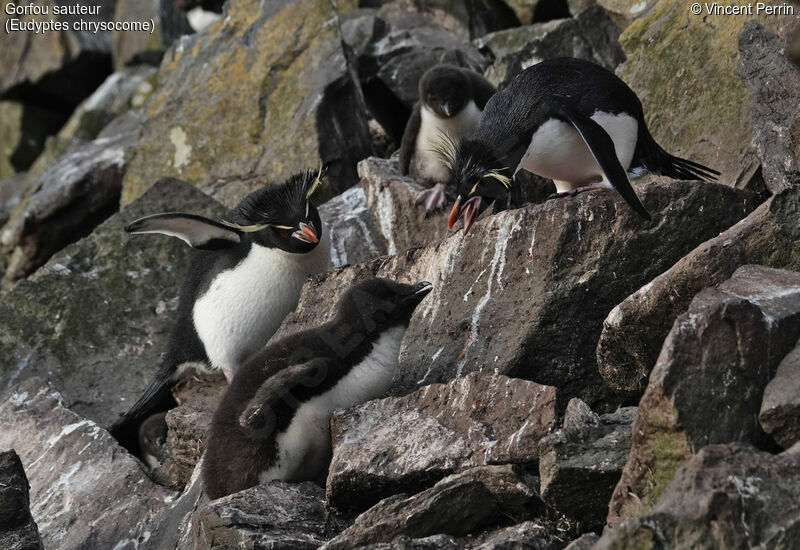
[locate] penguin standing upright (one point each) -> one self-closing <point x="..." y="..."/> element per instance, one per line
<point x="451" y="100"/>
<point x="274" y="420"/>
<point x="565" y="119"/>
<point x="244" y="279"/>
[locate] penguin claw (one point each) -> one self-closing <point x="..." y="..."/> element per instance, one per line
<point x="432" y="199"/>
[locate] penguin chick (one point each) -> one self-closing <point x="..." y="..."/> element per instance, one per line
<point x="274" y="420"/>
<point x="451" y="100"/>
<point x="568" y="120"/>
<point x="244" y="279"/>
<point x="153" y="439"/>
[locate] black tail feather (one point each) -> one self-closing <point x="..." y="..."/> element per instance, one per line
<point x="656" y="160"/>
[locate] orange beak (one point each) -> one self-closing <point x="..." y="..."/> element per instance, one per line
<point x="469" y="210"/>
<point x="306" y="233"/>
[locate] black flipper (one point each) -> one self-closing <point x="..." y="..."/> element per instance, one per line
<point x="409" y="141"/>
<point x="602" y="147"/>
<point x="194" y="230"/>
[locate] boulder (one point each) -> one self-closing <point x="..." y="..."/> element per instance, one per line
<point x="578" y="415"/>
<point x="457" y="505"/>
<point x="68" y="199"/>
<point x="780" y="408"/>
<point x="18" y="531"/>
<point x="354" y="236"/>
<point x="635" y="329"/>
<point x="585" y="542"/>
<point x="719" y="356"/>
<point x="23" y="132"/>
<point x="138" y="47"/>
<point x="408" y="443"/>
<point x="503" y="294"/>
<point x="591" y="35"/>
<point x="774" y="85"/>
<point x="726" y="496"/>
<point x="12" y="188"/>
<point x="85" y="490"/>
<point x="231" y="119"/>
<point x="96" y="318"/>
<point x="625" y="12"/>
<point x="683" y="68"/>
<point x="580" y="466"/>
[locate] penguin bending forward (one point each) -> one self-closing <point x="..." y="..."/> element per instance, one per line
<point x="274" y="420"/>
<point x="565" y="119"/>
<point x="451" y="100"/>
<point x="244" y="279"/>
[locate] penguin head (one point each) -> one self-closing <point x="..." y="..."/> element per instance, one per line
<point x="379" y="304"/>
<point x="445" y="90"/>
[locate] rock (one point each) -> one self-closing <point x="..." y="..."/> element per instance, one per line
<point x="23" y="131"/>
<point x="230" y="119"/>
<point x="272" y="515"/>
<point x="774" y="84"/>
<point x="85" y="490"/>
<point x="780" y="409"/>
<point x="70" y="198"/>
<point x="354" y="237"/>
<point x="179" y="526"/>
<point x="101" y="350"/>
<point x="591" y="36"/>
<point x="11" y="190"/>
<point x="504" y="293"/>
<point x="585" y="542"/>
<point x="457" y="505"/>
<point x="625" y="12"/>
<point x="727" y="496"/>
<point x="578" y="415"/>
<point x="696" y="106"/>
<point x="405" y="444"/>
<point x="18" y="531"/>
<point x="718" y="356"/>
<point x="529" y="535"/>
<point x="137" y="47"/>
<point x="634" y="331"/>
<point x="579" y="467"/>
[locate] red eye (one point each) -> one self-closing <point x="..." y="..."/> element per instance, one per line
<point x="284" y="234"/>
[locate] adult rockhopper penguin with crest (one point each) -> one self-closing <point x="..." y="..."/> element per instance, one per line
<point x="565" y="119"/>
<point x="244" y="279"/>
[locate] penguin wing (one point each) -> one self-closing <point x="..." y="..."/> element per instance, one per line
<point x="602" y="147"/>
<point x="409" y="141"/>
<point x="482" y="89"/>
<point x="194" y="230"/>
<point x="276" y="392"/>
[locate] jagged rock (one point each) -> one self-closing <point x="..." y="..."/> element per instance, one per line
<point x="406" y="444"/>
<point x="11" y="190"/>
<point x="136" y="47"/>
<point x="774" y="84"/>
<point x="86" y="491"/>
<point x="86" y="319"/>
<point x="277" y="514"/>
<point x="354" y="237"/>
<point x="179" y="526"/>
<point x="624" y="12"/>
<point x="634" y="331"/>
<point x="230" y="119"/>
<point x="718" y="356"/>
<point x="586" y="542"/>
<point x="503" y="294"/>
<point x="591" y="36"/>
<point x="578" y="414"/>
<point x="727" y="496"/>
<point x="710" y="127"/>
<point x="18" y="531"/>
<point x="70" y="198"/>
<point x="457" y="505"/>
<point x="580" y="466"/>
<point x="780" y="409"/>
<point x="23" y="131"/>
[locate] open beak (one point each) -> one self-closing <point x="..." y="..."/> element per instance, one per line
<point x="306" y="233"/>
<point x="418" y="292"/>
<point x="469" y="210"/>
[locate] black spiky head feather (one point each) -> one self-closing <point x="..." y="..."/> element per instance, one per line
<point x="475" y="170"/>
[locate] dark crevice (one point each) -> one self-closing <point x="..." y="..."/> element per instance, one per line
<point x="386" y="108"/>
<point x="547" y="10"/>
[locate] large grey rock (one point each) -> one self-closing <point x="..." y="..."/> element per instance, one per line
<point x="635" y="329"/>
<point x="353" y="235"/>
<point x="23" y="134"/>
<point x="96" y="318"/>
<point x="18" y="531"/>
<point x="11" y="190"/>
<point x="585" y="542"/>
<point x="774" y="84"/>
<point x="780" y="408"/>
<point x="86" y="491"/>
<point x="137" y="47"/>
<point x="580" y="466"/>
<point x="457" y="505"/>
<point x="727" y="496"/>
<point x="718" y="357"/>
<point x="509" y="296"/>
<point x="406" y="444"/>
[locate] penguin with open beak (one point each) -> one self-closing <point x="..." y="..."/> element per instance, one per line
<point x="568" y="120"/>
<point x="245" y="277"/>
<point x="274" y="420"/>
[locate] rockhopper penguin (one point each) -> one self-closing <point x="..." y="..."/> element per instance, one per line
<point x="244" y="279"/>
<point x="451" y="100"/>
<point x="274" y="420"/>
<point x="565" y="119"/>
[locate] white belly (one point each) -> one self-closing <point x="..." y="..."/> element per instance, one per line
<point x="304" y="448"/>
<point x="557" y="151"/>
<point x="432" y="128"/>
<point x="245" y="305"/>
